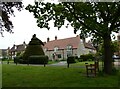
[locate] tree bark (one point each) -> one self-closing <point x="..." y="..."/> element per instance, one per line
<point x="107" y="54"/>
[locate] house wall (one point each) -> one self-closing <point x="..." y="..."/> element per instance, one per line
<point x="62" y="52"/>
<point x="82" y="50"/>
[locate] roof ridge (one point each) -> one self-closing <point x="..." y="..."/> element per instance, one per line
<point x="63" y="39"/>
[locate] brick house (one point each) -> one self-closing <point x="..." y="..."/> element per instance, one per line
<point x="17" y="49"/>
<point x="62" y="48"/>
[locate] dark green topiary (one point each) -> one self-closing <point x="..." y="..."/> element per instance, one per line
<point x="71" y="60"/>
<point x="34" y="48"/>
<point x="38" y="59"/>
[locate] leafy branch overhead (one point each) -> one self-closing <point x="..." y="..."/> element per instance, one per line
<point x="88" y="17"/>
<point x="6" y="9"/>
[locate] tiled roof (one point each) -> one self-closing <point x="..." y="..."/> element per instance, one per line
<point x="63" y="43"/>
<point x="20" y="47"/>
<point x="89" y="46"/>
<point x="12" y="49"/>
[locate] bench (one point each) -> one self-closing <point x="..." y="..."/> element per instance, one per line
<point x="91" y="69"/>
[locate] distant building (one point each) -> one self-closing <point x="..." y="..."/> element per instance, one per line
<point x="3" y="53"/>
<point x="62" y="48"/>
<point x="17" y="49"/>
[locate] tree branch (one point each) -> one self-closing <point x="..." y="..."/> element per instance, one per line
<point x="116" y="16"/>
<point x="77" y="18"/>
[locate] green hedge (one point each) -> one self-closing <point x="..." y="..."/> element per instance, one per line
<point x="71" y="59"/>
<point x="20" y="60"/>
<point x="38" y="59"/>
<point x="87" y="57"/>
<point x="16" y="59"/>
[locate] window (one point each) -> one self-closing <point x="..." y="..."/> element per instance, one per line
<point x="59" y="55"/>
<point x="55" y="49"/>
<point x="69" y="50"/>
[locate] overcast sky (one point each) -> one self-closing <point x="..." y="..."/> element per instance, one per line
<point x="25" y="26"/>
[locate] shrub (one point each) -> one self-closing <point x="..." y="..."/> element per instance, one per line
<point x="71" y="59"/>
<point x="16" y="59"/>
<point x="4" y="59"/>
<point x="80" y="59"/>
<point x="87" y="57"/>
<point x="63" y="59"/>
<point x="38" y="59"/>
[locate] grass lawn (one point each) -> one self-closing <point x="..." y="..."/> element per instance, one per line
<point x="52" y="76"/>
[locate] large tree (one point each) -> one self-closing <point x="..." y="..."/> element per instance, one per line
<point x="97" y="19"/>
<point x="6" y="9"/>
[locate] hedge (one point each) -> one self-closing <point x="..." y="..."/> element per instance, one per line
<point x="38" y="59"/>
<point x="71" y="60"/>
<point x="87" y="57"/>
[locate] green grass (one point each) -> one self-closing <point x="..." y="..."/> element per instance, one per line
<point x="51" y="76"/>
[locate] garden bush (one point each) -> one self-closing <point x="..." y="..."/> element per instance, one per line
<point x="87" y="57"/>
<point x="4" y="59"/>
<point x="80" y="59"/>
<point x="16" y="59"/>
<point x="38" y="59"/>
<point x="71" y="59"/>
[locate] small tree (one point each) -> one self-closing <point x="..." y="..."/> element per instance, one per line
<point x="34" y="48"/>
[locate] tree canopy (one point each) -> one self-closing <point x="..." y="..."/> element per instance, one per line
<point x="97" y="19"/>
<point x="6" y="9"/>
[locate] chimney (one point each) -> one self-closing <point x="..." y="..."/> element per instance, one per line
<point x="55" y="37"/>
<point x="24" y="43"/>
<point x="48" y="39"/>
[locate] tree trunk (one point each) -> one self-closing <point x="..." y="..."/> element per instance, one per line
<point x="107" y="54"/>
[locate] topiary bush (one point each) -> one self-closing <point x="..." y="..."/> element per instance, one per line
<point x="34" y="48"/>
<point x="71" y="60"/>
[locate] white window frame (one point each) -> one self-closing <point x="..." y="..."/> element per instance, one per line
<point x="56" y="49"/>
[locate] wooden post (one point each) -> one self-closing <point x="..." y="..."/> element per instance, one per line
<point x="68" y="65"/>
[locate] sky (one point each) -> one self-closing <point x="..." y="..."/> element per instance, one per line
<point x="25" y="26"/>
